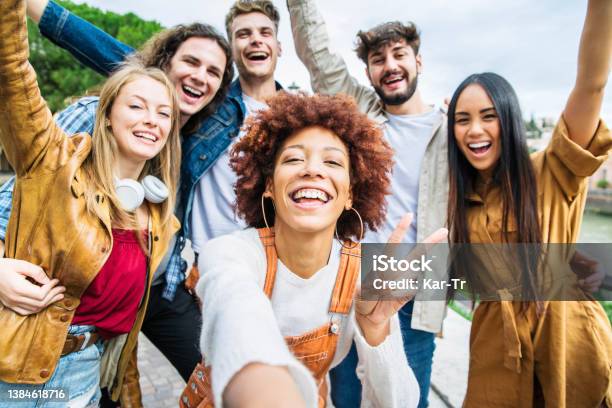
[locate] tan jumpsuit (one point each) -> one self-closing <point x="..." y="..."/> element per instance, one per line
<point x="563" y="357"/>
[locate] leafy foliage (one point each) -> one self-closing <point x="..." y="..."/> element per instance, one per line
<point x="608" y="308"/>
<point x="61" y="76"/>
<point x="532" y="128"/>
<point x="603" y="183"/>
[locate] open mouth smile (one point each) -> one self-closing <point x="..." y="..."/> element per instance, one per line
<point x="310" y="197"/>
<point x="257" y="56"/>
<point x="393" y="80"/>
<point x="192" y="94"/>
<point x="148" y="137"/>
<point x="480" y="148"/>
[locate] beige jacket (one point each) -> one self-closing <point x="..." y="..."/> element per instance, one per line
<point x="329" y="75"/>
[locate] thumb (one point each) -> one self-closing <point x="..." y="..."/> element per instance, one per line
<point x="26" y="269"/>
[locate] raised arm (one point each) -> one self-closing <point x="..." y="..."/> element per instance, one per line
<point x="328" y="71"/>
<point x="76" y="118"/>
<point x="583" y="107"/>
<point x="27" y="130"/>
<point x="91" y="46"/>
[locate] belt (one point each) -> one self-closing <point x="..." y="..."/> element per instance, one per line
<point x="78" y="342"/>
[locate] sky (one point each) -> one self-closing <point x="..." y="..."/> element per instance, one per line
<point x="532" y="44"/>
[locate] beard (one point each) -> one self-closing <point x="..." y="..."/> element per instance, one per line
<point x="398" y="98"/>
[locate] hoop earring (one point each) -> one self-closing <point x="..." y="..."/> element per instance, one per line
<point x="360" y="235"/>
<point x="263" y="211"/>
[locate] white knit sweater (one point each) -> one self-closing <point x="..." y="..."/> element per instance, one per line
<point x="241" y="326"/>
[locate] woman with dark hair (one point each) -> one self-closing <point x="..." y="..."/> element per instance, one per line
<point x="532" y="352"/>
<point x="278" y="297"/>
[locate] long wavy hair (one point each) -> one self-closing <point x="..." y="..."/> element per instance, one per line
<point x="513" y="173"/>
<point x="159" y="50"/>
<point x="99" y="164"/>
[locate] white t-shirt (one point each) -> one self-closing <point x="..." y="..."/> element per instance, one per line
<point x="409" y="136"/>
<point x="213" y="212"/>
<point x="291" y="292"/>
<point x="242" y="326"/>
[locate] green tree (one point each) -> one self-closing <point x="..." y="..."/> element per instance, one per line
<point x="532" y="128"/>
<point x="603" y="183"/>
<point x="61" y="76"/>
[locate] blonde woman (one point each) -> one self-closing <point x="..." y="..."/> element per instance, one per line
<point x="79" y="213"/>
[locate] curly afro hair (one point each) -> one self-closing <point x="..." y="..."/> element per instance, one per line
<point x="371" y="158"/>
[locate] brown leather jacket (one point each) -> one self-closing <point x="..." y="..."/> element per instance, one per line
<point x="50" y="225"/>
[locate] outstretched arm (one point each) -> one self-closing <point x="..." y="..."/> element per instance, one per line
<point x="328" y="71"/>
<point x="583" y="107"/>
<point x="27" y="130"/>
<point x="241" y="339"/>
<point x="91" y="46"/>
<point x="77" y="118"/>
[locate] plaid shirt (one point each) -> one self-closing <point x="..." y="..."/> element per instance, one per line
<point x="77" y="118"/>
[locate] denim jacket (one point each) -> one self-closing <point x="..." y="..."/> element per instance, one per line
<point x="103" y="53"/>
<point x="201" y="149"/>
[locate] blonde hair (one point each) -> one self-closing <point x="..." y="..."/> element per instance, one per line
<point x="99" y="164"/>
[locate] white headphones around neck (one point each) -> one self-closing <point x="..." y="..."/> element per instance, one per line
<point x="132" y="193"/>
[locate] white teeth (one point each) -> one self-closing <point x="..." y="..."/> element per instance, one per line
<point x="393" y="79"/>
<point x="479" y="145"/>
<point x="192" y="90"/>
<point x="145" y="135"/>
<point x="257" y="54"/>
<point x="311" y="193"/>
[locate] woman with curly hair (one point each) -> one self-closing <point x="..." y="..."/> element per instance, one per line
<point x="278" y="297"/>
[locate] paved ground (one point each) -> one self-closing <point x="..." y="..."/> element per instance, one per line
<point x="161" y="384"/>
<point x="451" y="358"/>
<point x="159" y="381"/>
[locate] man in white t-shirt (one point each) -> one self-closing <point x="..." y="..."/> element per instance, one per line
<point x="417" y="133"/>
<point x="213" y="203"/>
